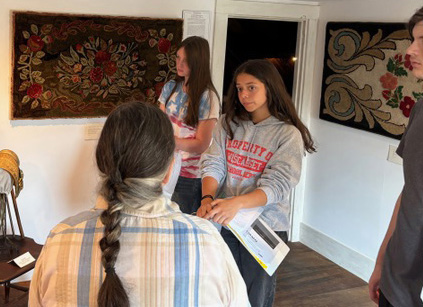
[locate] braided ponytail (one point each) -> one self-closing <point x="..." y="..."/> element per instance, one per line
<point x="111" y="292"/>
<point x="133" y="154"/>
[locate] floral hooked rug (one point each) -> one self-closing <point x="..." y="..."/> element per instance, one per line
<point x="70" y="66"/>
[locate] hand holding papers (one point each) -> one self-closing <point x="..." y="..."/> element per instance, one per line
<point x="259" y="239"/>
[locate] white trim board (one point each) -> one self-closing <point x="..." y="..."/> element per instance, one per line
<point x="345" y="257"/>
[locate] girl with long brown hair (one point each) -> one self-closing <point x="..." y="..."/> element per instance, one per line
<point x="192" y="104"/>
<point x="255" y="161"/>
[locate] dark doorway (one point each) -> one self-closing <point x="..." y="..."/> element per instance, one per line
<point x="258" y="39"/>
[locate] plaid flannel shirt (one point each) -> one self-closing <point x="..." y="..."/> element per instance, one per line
<point x="166" y="258"/>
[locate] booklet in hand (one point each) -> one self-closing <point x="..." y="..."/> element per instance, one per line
<point x="259" y="239"/>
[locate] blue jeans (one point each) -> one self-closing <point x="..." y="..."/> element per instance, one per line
<point x="187" y="194"/>
<point x="260" y="286"/>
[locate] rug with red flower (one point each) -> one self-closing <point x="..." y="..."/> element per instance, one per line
<point x="367" y="79"/>
<point x="73" y="66"/>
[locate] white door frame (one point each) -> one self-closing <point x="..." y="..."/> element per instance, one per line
<point x="306" y="15"/>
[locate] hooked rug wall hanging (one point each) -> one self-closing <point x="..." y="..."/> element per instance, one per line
<point x="73" y="66"/>
<point x="367" y="78"/>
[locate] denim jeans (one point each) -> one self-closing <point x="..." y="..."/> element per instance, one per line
<point x="187" y="194"/>
<point x="260" y="286"/>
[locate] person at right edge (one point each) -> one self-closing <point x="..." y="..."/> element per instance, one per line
<point x="397" y="278"/>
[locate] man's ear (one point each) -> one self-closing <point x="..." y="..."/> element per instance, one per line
<point x="169" y="172"/>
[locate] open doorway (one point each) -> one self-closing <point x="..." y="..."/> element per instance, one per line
<point x="257" y="39"/>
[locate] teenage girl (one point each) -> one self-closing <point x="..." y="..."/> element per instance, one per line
<point x="192" y="104"/>
<point x="254" y="160"/>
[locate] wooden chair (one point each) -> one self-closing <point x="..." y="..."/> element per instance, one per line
<point x="10" y="271"/>
<point x="12" y="245"/>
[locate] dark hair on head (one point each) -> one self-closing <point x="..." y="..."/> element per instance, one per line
<point x="416" y="18"/>
<point x="197" y="52"/>
<point x="133" y="154"/>
<point x="278" y="100"/>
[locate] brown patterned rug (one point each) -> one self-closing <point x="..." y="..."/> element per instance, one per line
<point x="84" y="66"/>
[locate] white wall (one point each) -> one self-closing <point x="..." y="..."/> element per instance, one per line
<point x="60" y="174"/>
<point x="351" y="188"/>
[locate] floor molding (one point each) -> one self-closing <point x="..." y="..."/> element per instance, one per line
<point x="345" y="257"/>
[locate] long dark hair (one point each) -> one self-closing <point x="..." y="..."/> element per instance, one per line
<point x="278" y="100"/>
<point x="197" y="52"/>
<point x="133" y="154"/>
<point x="416" y="18"/>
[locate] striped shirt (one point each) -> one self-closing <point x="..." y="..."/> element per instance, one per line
<point x="166" y="259"/>
<point x="176" y="109"/>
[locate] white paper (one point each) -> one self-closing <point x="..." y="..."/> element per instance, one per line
<point x="169" y="187"/>
<point x="244" y="218"/>
<point x="196" y="23"/>
<point x="23" y="260"/>
<point x="259" y="239"/>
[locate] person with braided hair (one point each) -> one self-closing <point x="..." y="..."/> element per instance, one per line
<point x="135" y="247"/>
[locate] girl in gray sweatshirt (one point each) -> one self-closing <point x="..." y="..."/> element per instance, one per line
<point x="254" y="160"/>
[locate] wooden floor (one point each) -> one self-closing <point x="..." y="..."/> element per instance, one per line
<point x="305" y="278"/>
<point x="17" y="298"/>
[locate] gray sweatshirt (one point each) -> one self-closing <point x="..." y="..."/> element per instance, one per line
<point x="267" y="155"/>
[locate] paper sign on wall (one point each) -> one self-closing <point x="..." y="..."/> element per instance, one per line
<point x="197" y="23"/>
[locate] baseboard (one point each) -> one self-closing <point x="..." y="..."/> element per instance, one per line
<point x="345" y="257"/>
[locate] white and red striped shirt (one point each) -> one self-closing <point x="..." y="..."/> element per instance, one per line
<point x="176" y="109"/>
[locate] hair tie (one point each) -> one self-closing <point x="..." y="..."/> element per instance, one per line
<point x="110" y="270"/>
